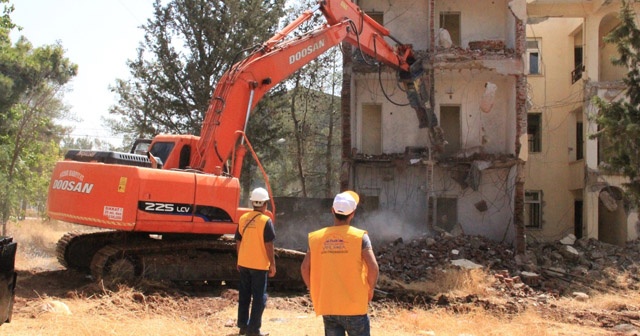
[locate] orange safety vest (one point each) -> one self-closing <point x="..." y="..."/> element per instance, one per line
<point x="338" y="272"/>
<point x="252" y="253"/>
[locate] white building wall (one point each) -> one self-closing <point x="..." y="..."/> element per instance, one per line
<point x="480" y="20"/>
<point x="407" y="20"/>
<point x="403" y="203"/>
<point x="492" y="131"/>
<point x="399" y="123"/>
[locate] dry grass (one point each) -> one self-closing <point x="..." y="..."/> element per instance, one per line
<point x="604" y="302"/>
<point x="452" y="281"/>
<point x="124" y="310"/>
<point x="476" y="322"/>
<point x="37" y="242"/>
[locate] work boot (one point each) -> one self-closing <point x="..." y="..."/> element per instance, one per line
<point x="243" y="331"/>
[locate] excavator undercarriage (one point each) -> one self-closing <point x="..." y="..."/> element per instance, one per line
<point x="125" y="255"/>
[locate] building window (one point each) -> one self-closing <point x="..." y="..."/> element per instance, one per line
<point x="534" y="130"/>
<point x="371" y="129"/>
<point x="534" y="57"/>
<point x="446" y="213"/>
<point x="533" y="209"/>
<point x="579" y="141"/>
<point x="377" y="17"/>
<point x="578" y="67"/>
<point x="450" y="124"/>
<point x="451" y="22"/>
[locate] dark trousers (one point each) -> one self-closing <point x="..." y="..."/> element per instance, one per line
<point x="355" y="325"/>
<point x="253" y="287"/>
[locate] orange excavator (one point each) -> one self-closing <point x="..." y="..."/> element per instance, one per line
<point x="166" y="211"/>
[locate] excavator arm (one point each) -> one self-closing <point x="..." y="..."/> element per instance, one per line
<point x="165" y="223"/>
<point x="246" y="82"/>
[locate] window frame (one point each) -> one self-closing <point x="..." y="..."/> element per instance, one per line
<point x="533" y="210"/>
<point x="534" y="142"/>
<point x="534" y="50"/>
<point x="456" y="34"/>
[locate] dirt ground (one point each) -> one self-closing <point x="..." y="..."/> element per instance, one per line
<point x="51" y="300"/>
<point x="157" y="309"/>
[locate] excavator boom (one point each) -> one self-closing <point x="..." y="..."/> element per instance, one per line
<point x="241" y="87"/>
<point x="165" y="211"/>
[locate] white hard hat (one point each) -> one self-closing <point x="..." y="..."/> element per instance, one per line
<point x="259" y="196"/>
<point x="346" y="202"/>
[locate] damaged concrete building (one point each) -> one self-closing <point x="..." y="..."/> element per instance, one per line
<point x="567" y="191"/>
<point x="457" y="167"/>
<point x="503" y="148"/>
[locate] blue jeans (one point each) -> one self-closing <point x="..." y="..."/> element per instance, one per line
<point x="355" y="325"/>
<point x="253" y="287"/>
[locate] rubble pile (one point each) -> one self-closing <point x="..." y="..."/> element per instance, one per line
<point x="588" y="263"/>
<point x="421" y="258"/>
<point x="557" y="267"/>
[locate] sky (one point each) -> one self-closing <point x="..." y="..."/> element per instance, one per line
<point x="99" y="36"/>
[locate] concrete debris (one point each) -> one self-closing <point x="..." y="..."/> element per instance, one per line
<point x="609" y="201"/>
<point x="427" y="332"/>
<point x="443" y="38"/>
<point x="580" y="296"/>
<point x="408" y="262"/>
<point x="464" y="263"/>
<point x="626" y="329"/>
<point x="570" y="239"/>
<point x="55" y="307"/>
<point x="554" y="268"/>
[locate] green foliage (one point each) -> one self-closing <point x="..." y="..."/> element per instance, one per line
<point x="311" y="123"/>
<point x="5" y="22"/>
<point x="187" y="47"/>
<point x="619" y="121"/>
<point x="31" y="86"/>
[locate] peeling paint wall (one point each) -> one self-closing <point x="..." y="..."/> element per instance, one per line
<point x="485" y="82"/>
<point x="491" y="131"/>
<point x="481" y="20"/>
<point x="401" y="192"/>
<point x="396" y="16"/>
<point x="399" y="123"/>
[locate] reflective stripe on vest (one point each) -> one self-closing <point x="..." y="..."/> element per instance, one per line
<point x="338" y="272"/>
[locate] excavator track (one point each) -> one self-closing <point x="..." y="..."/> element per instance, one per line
<point x="75" y="249"/>
<point x="116" y="255"/>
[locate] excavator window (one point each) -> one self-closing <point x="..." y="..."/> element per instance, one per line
<point x="140" y="146"/>
<point x="162" y="150"/>
<point x="185" y="156"/>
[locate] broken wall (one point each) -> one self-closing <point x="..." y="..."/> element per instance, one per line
<point x="397" y="15"/>
<point x="480" y="20"/>
<point x="488" y="132"/>
<point x="398" y="125"/>
<point x="482" y="204"/>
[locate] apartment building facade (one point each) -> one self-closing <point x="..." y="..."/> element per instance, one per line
<point x="567" y="63"/>
<point x="462" y="170"/>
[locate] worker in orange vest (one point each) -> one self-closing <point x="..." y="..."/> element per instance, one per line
<point x="254" y="243"/>
<point x="341" y="271"/>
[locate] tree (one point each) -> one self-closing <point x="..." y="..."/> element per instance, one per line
<point x="30" y="103"/>
<point x="311" y="121"/>
<point x="619" y="121"/>
<point x="187" y="47"/>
